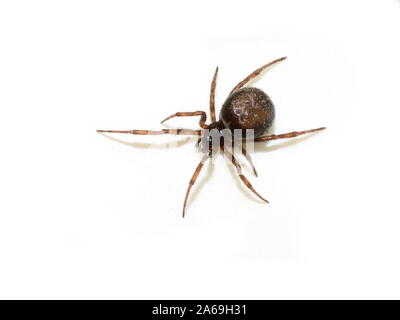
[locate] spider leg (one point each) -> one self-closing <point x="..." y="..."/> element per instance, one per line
<point x="239" y="172"/>
<point x="255" y="74"/>
<point x="202" y="114"/>
<point x="193" y="180"/>
<point x="163" y="131"/>
<point x="247" y="155"/>
<point x="286" y="135"/>
<point x="212" y="96"/>
<point x="198" y="142"/>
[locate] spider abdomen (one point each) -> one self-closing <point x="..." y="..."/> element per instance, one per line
<point x="248" y="108"/>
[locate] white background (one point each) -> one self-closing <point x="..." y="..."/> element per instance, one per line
<point x="87" y="216"/>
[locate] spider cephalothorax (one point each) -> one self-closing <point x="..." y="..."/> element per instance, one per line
<point x="247" y="113"/>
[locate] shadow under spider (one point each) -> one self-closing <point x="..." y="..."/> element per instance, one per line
<point x="262" y="147"/>
<point x="145" y="145"/>
<point x="258" y="147"/>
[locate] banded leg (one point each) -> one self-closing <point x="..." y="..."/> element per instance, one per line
<point x="287" y="135"/>
<point x="193" y="180"/>
<point x="163" y="131"/>
<point x="212" y="96"/>
<point x="247" y="155"/>
<point x="239" y="172"/>
<point x="198" y="142"/>
<point x="255" y="74"/>
<point x="248" y="158"/>
<point x="202" y="114"/>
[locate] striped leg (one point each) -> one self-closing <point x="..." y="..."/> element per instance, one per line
<point x="212" y="96"/>
<point x="287" y="135"/>
<point x="247" y="155"/>
<point x="239" y="172"/>
<point x="202" y="114"/>
<point x="188" y="132"/>
<point x="193" y="180"/>
<point x="255" y="74"/>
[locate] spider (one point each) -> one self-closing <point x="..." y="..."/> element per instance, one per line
<point x="247" y="109"/>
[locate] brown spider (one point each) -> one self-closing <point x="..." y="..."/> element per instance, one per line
<point x="246" y="109"/>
